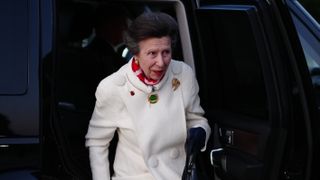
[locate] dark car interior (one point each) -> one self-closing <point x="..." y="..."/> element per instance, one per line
<point x="77" y="66"/>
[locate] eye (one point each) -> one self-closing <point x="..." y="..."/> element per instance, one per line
<point x="152" y="53"/>
<point x="166" y="52"/>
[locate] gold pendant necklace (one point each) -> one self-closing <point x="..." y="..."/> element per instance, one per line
<point x="153" y="97"/>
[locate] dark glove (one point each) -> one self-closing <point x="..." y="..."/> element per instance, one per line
<point x="195" y="140"/>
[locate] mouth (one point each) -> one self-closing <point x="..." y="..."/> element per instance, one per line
<point x="159" y="73"/>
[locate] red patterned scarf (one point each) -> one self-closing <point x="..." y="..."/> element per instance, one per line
<point x="139" y="73"/>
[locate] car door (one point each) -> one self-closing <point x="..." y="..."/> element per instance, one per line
<point x="19" y="90"/>
<point x="255" y="89"/>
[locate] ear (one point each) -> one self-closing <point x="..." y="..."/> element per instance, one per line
<point x="136" y="59"/>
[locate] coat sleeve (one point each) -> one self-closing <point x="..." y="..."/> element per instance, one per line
<point x="194" y="112"/>
<point x="102" y="127"/>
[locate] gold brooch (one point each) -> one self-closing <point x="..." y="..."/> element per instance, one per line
<point x="175" y="83"/>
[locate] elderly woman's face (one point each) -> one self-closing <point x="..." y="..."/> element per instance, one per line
<point x="154" y="56"/>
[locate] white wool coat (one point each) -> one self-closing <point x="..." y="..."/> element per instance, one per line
<point x="152" y="137"/>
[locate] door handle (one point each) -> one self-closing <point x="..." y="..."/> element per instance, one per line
<point x="216" y="156"/>
<point x="218" y="161"/>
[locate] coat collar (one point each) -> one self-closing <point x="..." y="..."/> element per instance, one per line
<point x="135" y="81"/>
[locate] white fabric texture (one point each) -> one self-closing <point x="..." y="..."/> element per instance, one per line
<point x="151" y="136"/>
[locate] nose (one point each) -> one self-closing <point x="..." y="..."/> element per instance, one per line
<point x="160" y="61"/>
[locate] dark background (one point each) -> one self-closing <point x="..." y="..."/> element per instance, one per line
<point x="313" y="7"/>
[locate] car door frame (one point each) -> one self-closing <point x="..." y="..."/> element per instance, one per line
<point x="280" y="33"/>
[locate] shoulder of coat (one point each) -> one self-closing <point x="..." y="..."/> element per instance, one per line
<point x="176" y="67"/>
<point x="115" y="79"/>
<point x="179" y="67"/>
<point x="119" y="78"/>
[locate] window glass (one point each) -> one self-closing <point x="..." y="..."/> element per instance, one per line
<point x="243" y="88"/>
<point x="233" y="63"/>
<point x="310" y="43"/>
<point x="13" y="46"/>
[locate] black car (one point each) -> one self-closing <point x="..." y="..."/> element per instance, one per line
<point x="257" y="63"/>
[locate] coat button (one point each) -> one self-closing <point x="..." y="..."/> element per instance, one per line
<point x="174" y="153"/>
<point x="153" y="162"/>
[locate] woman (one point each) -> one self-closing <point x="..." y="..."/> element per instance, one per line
<point x="151" y="102"/>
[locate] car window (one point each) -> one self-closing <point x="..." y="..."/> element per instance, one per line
<point x="310" y="45"/>
<point x="14" y="46"/>
<point x="234" y="61"/>
<point x="309" y="35"/>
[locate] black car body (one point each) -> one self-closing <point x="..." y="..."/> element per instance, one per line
<point x="257" y="63"/>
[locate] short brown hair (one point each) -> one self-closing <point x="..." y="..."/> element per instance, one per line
<point x="148" y="25"/>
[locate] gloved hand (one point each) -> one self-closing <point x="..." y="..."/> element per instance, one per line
<point x="195" y="140"/>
